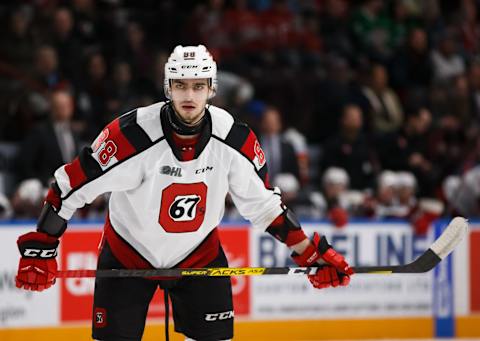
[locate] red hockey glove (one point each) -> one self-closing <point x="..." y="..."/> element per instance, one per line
<point x="335" y="272"/>
<point x="38" y="267"/>
<point x="338" y="216"/>
<point x="328" y="276"/>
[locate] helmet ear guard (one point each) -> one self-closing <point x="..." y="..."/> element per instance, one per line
<point x="190" y="62"/>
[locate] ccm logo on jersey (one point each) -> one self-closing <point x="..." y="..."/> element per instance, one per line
<point x="203" y="170"/>
<point x="219" y="316"/>
<point x="40" y="253"/>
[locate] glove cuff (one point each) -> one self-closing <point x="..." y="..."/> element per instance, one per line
<point x="311" y="253"/>
<point x="37" y="245"/>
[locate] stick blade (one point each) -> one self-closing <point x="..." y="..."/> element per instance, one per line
<point x="451" y="236"/>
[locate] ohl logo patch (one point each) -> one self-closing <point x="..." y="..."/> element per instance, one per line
<point x="173" y="171"/>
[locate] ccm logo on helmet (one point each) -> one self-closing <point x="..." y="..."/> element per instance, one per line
<point x="219" y="316"/>
<point x="40" y="253"/>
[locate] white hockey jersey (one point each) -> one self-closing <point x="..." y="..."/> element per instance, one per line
<point x="162" y="206"/>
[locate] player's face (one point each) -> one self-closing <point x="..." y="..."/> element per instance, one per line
<point x="189" y="97"/>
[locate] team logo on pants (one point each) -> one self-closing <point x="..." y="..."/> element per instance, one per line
<point x="100" y="316"/>
<point x="219" y="316"/>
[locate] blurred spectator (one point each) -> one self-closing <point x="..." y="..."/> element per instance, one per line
<point x="87" y="22"/>
<point x="350" y="150"/>
<point x="406" y="192"/>
<point x="470" y="27"/>
<point x="299" y="143"/>
<point x="386" y="113"/>
<point x="279" y="153"/>
<point x="412" y="67"/>
<point x="18" y="39"/>
<point x="6" y="211"/>
<point x="371" y="30"/>
<point x="46" y="68"/>
<point x="245" y="29"/>
<point x="335" y="30"/>
<point x="212" y="32"/>
<point x="50" y="144"/>
<point x="158" y="75"/>
<point x="122" y="95"/>
<point x="407" y="149"/>
<point x="385" y="204"/>
<point x="446" y="59"/>
<point x="335" y="183"/>
<point x="334" y="92"/>
<point x="463" y="194"/>
<point x="93" y="89"/>
<point x="136" y="51"/>
<point x="340" y="202"/>
<point x="448" y="145"/>
<point x="279" y="33"/>
<point x="27" y="201"/>
<point x="67" y="45"/>
<point x="474" y="81"/>
<point x="233" y="91"/>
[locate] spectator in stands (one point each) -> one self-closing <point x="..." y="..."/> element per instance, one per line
<point x="474" y="81"/>
<point x="446" y="59"/>
<point x="463" y="193"/>
<point x="135" y="50"/>
<point x="470" y="27"/>
<point x="409" y="146"/>
<point x="27" y="201"/>
<point x="385" y="110"/>
<point x="412" y="68"/>
<point x="46" y="68"/>
<point x="122" y="94"/>
<point x="448" y="145"/>
<point x="371" y="30"/>
<point x="406" y="193"/>
<point x="349" y="149"/>
<point x="234" y="92"/>
<point x="51" y="144"/>
<point x="93" y="89"/>
<point x="212" y="32"/>
<point x="335" y="183"/>
<point x="279" y="153"/>
<point x="384" y="204"/>
<point x="335" y="29"/>
<point x="337" y="89"/>
<point x="158" y="74"/>
<point x="66" y="43"/>
<point x="18" y="40"/>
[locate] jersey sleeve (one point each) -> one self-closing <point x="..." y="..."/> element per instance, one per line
<point x="248" y="179"/>
<point x="111" y="163"/>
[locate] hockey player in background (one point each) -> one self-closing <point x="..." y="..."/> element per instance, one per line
<point x="169" y="167"/>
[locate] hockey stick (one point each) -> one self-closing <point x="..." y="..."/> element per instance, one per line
<point x="441" y="248"/>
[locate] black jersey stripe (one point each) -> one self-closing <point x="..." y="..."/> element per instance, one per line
<point x="137" y="137"/>
<point x="89" y="165"/>
<point x="263" y="173"/>
<point x="238" y="135"/>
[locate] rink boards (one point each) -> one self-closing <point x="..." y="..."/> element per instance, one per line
<point x="445" y="302"/>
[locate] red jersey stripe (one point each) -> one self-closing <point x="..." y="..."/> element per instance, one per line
<point x="75" y="173"/>
<point x="124" y="148"/>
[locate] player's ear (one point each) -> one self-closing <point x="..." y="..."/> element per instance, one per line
<point x="211" y="92"/>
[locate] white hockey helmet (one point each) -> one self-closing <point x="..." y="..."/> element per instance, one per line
<point x="190" y="62"/>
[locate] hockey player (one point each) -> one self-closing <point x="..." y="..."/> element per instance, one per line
<point x="169" y="167"/>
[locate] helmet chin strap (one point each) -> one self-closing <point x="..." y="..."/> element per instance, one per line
<point x="179" y="126"/>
